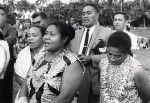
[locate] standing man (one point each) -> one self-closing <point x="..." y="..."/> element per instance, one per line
<point x="40" y="18"/>
<point x="84" y="45"/>
<point x="10" y="35"/>
<point x="120" y="22"/>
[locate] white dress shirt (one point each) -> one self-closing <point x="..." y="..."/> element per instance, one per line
<point x="91" y="30"/>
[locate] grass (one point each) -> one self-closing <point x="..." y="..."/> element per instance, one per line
<point x="143" y="55"/>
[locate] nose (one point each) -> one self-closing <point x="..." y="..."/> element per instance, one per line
<point x="30" y="38"/>
<point x="112" y="58"/>
<point x="45" y="37"/>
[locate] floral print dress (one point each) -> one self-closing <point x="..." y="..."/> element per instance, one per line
<point x="116" y="81"/>
<point x="45" y="78"/>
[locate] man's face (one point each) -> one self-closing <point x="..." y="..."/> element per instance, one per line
<point x="89" y="16"/>
<point x="2" y="17"/>
<point x="39" y="21"/>
<point x="119" y="22"/>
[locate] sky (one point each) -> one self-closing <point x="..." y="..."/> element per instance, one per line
<point x="33" y="1"/>
<point x="50" y="1"/>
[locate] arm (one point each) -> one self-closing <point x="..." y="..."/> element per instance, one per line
<point x="93" y="59"/>
<point x="23" y="92"/>
<point x="19" y="79"/>
<point x="142" y="81"/>
<point x="2" y="59"/>
<point x="71" y="80"/>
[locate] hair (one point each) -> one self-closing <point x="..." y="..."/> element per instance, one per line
<point x="42" y="29"/>
<point x="11" y="19"/>
<point x="65" y="30"/>
<point x="3" y="8"/>
<point x="42" y="14"/>
<point x="93" y="5"/>
<point x="1" y="36"/>
<point x="124" y="14"/>
<point x="121" y="41"/>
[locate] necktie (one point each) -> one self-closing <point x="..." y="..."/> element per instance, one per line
<point x="86" y="42"/>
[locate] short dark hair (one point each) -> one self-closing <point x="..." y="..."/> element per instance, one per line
<point x="41" y="28"/>
<point x="42" y="14"/>
<point x="4" y="9"/>
<point x="124" y="14"/>
<point x="93" y="5"/>
<point x="121" y="41"/>
<point x="1" y="36"/>
<point x="65" y="30"/>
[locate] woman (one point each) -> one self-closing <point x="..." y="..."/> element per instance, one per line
<point x="118" y="70"/>
<point x="30" y="53"/>
<point x="56" y="77"/>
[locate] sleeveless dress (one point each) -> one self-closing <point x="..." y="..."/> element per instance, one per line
<point x="45" y="78"/>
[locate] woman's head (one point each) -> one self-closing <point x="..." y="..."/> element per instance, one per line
<point x="35" y="36"/>
<point x="58" y="35"/>
<point x="118" y="47"/>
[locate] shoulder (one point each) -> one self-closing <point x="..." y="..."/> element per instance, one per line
<point x="2" y="48"/>
<point x="71" y="58"/>
<point x="104" y="63"/>
<point x="2" y="51"/>
<point x="24" y="51"/>
<point x="136" y="65"/>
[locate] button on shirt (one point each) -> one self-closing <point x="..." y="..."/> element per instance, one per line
<point x="91" y="30"/>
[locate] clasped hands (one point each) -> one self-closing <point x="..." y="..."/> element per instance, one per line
<point x="85" y="59"/>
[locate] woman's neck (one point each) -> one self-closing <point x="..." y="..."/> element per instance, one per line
<point x="36" y="51"/>
<point x="51" y="55"/>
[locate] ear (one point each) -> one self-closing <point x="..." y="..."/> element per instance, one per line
<point x="65" y="39"/>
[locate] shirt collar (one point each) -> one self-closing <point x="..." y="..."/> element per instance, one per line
<point x="91" y="28"/>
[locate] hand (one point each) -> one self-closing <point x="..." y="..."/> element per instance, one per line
<point x="85" y="59"/>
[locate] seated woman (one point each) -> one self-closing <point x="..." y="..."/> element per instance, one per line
<point x="118" y="70"/>
<point x="56" y="77"/>
<point x="30" y="53"/>
<point x="4" y="56"/>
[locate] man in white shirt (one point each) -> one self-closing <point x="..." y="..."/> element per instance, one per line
<point x="120" y="22"/>
<point x="83" y="44"/>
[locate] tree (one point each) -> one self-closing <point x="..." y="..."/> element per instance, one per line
<point x="23" y="5"/>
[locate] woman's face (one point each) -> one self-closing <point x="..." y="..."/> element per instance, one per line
<point x="115" y="56"/>
<point x="35" y="38"/>
<point x="52" y="39"/>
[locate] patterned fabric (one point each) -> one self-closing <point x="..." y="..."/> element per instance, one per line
<point x="116" y="81"/>
<point x="45" y="78"/>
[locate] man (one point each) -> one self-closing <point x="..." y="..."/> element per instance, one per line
<point x="10" y="35"/>
<point x="120" y="22"/>
<point x="40" y="18"/>
<point x="89" y="89"/>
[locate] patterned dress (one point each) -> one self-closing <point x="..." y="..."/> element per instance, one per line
<point x="45" y="78"/>
<point x="116" y="81"/>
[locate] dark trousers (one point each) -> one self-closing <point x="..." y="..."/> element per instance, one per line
<point x="86" y="94"/>
<point x="6" y="85"/>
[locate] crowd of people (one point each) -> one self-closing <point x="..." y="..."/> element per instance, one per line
<point x="60" y="62"/>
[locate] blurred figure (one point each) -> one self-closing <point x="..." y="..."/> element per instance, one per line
<point x="40" y="18"/>
<point x="120" y="22"/>
<point x="118" y="70"/>
<point x="10" y="35"/>
<point x="57" y="75"/>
